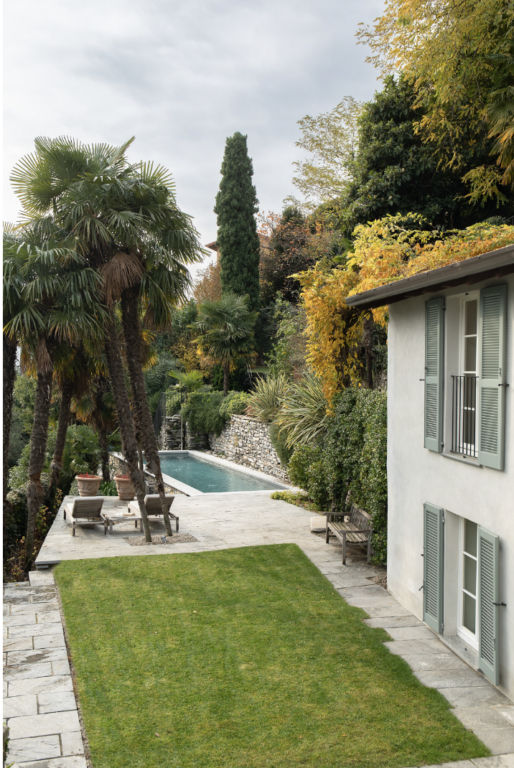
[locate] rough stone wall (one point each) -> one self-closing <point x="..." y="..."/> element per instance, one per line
<point x="247" y="441"/>
<point x="171" y="438"/>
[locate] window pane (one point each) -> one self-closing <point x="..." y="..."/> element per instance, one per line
<point x="469" y="613"/>
<point x="470" y="575"/>
<point x="470" y="538"/>
<point x="470" y="354"/>
<point x="470" y="317"/>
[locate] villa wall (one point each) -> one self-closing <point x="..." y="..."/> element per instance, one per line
<point x="247" y="441"/>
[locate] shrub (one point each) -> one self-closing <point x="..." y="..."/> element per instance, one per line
<point x="202" y="412"/>
<point x="349" y="463"/>
<point x="108" y="488"/>
<point x="303" y="413"/>
<point x="267" y="397"/>
<point x="234" y="403"/>
<point x="307" y="470"/>
<point x="279" y="444"/>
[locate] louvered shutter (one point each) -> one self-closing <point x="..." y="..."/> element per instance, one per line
<point x="434" y="349"/>
<point x="493" y="331"/>
<point x="433" y="566"/>
<point x="488" y="625"/>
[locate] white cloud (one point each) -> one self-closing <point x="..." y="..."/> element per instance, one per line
<point x="182" y="75"/>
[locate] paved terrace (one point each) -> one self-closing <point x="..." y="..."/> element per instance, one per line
<point x="39" y="702"/>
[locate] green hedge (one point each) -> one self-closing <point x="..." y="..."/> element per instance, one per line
<point x="350" y="461"/>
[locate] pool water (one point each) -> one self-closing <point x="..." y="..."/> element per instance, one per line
<point x="209" y="477"/>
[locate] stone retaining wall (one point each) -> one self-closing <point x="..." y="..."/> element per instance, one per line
<point x="247" y="441"/>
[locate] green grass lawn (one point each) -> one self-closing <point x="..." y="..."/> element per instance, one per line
<point x="242" y="658"/>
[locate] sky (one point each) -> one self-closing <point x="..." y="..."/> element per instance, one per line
<point x="181" y="76"/>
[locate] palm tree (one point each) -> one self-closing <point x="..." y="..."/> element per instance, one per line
<point x="126" y="224"/>
<point x="57" y="306"/>
<point x="225" y="331"/>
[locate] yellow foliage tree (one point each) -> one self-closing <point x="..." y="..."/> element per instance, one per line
<point x="386" y="250"/>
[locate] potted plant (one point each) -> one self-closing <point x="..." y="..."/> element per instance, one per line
<point x="88" y="484"/>
<point x="124" y="487"/>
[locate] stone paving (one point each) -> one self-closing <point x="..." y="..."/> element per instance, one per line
<point x="40" y="705"/>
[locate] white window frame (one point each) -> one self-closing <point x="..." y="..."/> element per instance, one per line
<point x="463" y="632"/>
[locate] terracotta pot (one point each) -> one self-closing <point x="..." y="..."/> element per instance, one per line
<point x="124" y="487"/>
<point x="88" y="484"/>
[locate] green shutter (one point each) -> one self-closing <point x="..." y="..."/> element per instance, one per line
<point x="488" y="549"/>
<point x="433" y="566"/>
<point x="493" y="331"/>
<point x="434" y="366"/>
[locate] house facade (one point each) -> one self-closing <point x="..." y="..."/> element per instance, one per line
<point x="451" y="454"/>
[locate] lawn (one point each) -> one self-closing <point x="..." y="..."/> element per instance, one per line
<point x="244" y="658"/>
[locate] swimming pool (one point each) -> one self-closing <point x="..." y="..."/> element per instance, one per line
<point x="206" y="474"/>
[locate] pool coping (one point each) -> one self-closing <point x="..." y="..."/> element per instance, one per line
<point x="188" y="490"/>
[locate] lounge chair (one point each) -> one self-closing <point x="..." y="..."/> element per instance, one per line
<point x="85" y="510"/>
<point x="153" y="506"/>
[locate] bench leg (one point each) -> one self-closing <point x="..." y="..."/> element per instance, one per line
<point x="73" y="529"/>
<point x="344" y="548"/>
<point x="176" y="521"/>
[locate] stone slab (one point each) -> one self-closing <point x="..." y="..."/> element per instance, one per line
<point x="472" y="696"/>
<point x="26" y="630"/>
<point x="20" y="619"/>
<point x="497" y="761"/>
<point x="22" y="673"/>
<point x="19" y="643"/>
<point x="38" y="685"/>
<point x="433" y="661"/>
<point x="55" y="640"/>
<point x="19" y="706"/>
<point x="41" y="578"/>
<point x="72" y="743"/>
<point x="58" y="762"/>
<point x="56" y="701"/>
<point x="37" y="656"/>
<point x="61" y="667"/>
<point x="442" y="679"/>
<point x="43" y="725"/>
<point x="411" y="633"/>
<point x="394" y="621"/>
<point x="37" y="748"/>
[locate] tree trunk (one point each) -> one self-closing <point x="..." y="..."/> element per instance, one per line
<point x="104" y="454"/>
<point x="38" y="440"/>
<point x="62" y="428"/>
<point x="9" y="379"/>
<point x="126" y="422"/>
<point x="226" y="375"/>
<point x="132" y="333"/>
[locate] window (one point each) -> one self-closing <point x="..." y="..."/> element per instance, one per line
<point x="468" y="582"/>
<point x="477" y="394"/>
<point x="464" y="384"/>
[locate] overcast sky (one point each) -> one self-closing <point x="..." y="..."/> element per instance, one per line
<point x="182" y="75"/>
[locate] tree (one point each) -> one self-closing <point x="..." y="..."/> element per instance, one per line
<point x="286" y="251"/>
<point x="331" y="140"/>
<point x="56" y="306"/>
<point x="128" y="227"/>
<point x="208" y="285"/>
<point x="459" y="57"/>
<point x="225" y="331"/>
<point x="396" y="172"/>
<point x="236" y="206"/>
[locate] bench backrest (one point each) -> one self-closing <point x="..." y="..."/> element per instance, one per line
<point x="87" y="506"/>
<point x="360" y="518"/>
<point x="153" y="503"/>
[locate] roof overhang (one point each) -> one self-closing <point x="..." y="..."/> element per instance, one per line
<point x="484" y="267"/>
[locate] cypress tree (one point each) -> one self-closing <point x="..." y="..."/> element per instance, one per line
<point x="236" y="206"/>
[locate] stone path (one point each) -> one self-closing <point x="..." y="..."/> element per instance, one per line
<point x="39" y="699"/>
<point x="39" y="702"/>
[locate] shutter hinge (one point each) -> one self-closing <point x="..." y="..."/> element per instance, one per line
<point x="503" y="385"/>
<point x="502" y="604"/>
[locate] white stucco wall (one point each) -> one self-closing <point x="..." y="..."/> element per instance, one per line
<point x="416" y="475"/>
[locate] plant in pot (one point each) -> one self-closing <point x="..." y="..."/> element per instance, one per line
<point x="124" y="486"/>
<point x="88" y="484"/>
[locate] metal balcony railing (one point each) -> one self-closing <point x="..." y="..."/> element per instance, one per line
<point x="464" y="415"/>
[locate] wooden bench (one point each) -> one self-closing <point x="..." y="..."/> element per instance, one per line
<point x="355" y="528"/>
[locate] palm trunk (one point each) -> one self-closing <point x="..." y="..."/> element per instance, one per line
<point x="38" y="440"/>
<point x="62" y="428"/>
<point x="9" y="379"/>
<point x="132" y="333"/>
<point x="126" y="422"/>
<point x="104" y="454"/>
<point x="226" y="375"/>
